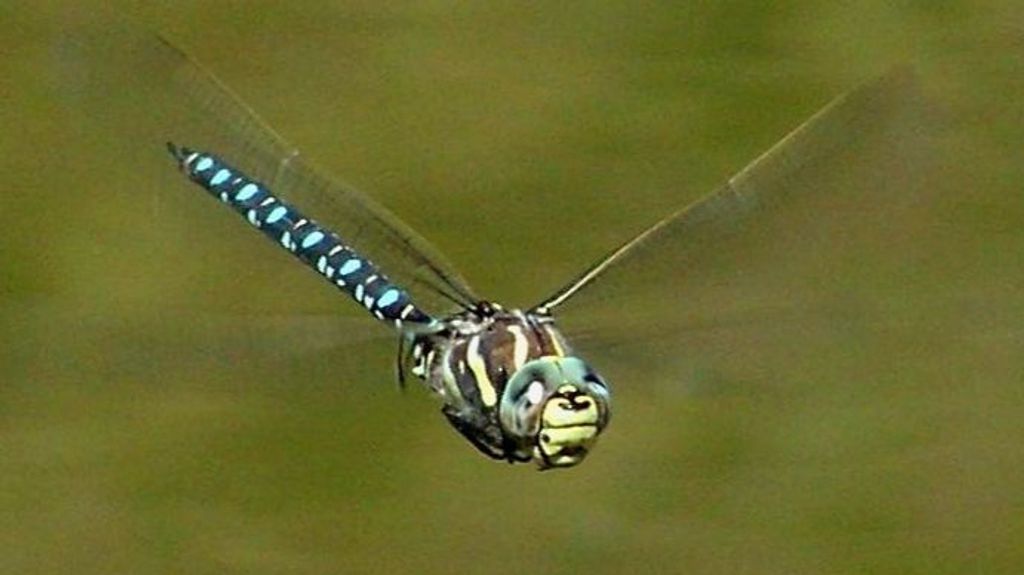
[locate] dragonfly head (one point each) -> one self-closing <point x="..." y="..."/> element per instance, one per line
<point x="554" y="408"/>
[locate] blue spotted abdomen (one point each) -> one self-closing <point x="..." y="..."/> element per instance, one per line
<point x="318" y="247"/>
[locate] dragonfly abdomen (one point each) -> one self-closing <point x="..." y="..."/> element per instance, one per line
<point x="320" y="248"/>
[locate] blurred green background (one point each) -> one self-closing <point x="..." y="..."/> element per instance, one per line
<point x="146" y="430"/>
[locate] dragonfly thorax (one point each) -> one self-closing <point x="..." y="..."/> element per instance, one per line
<point x="512" y="386"/>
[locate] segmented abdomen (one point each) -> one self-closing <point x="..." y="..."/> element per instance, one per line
<point x="318" y="247"/>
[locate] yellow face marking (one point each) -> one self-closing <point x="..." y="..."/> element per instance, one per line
<point x="558" y="415"/>
<point x="479" y="368"/>
<point x="561" y="446"/>
<point x="557" y="438"/>
<point x="520" y="346"/>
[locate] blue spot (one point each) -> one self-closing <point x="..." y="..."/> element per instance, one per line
<point x="220" y="177"/>
<point x="204" y="164"/>
<point x="276" y="214"/>
<point x="387" y="298"/>
<point x="247" y="192"/>
<point x="350" y="266"/>
<point x="312" y="239"/>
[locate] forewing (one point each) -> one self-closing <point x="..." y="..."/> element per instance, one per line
<point x="140" y="86"/>
<point x="829" y="241"/>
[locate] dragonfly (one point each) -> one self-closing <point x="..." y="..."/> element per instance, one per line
<point x="518" y="383"/>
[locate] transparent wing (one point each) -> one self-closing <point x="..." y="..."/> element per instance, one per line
<point x="828" y="241"/>
<point x="284" y="337"/>
<point x="139" y="84"/>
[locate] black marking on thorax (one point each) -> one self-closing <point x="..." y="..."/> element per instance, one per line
<point x="471" y="363"/>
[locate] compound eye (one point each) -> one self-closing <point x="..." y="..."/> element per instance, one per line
<point x="594" y="379"/>
<point x="535" y="393"/>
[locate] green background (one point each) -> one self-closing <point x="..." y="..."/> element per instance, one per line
<point x="146" y="428"/>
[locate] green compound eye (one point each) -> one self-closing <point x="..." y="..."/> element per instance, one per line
<point x="557" y="406"/>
